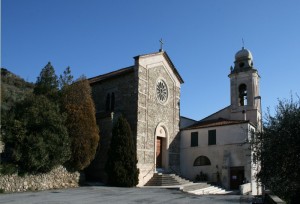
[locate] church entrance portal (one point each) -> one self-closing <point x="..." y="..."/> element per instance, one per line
<point x="159" y="152"/>
<point x="161" y="148"/>
<point x="236" y="177"/>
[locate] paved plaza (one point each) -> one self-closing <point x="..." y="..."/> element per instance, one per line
<point x="112" y="195"/>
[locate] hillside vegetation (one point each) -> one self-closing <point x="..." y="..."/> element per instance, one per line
<point x="47" y="124"/>
<point x="13" y="89"/>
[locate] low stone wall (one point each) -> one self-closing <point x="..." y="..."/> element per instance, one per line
<point x="245" y="188"/>
<point x="57" y="178"/>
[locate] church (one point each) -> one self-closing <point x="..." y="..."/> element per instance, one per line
<point x="148" y="95"/>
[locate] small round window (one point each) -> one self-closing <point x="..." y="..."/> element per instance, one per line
<point x="161" y="91"/>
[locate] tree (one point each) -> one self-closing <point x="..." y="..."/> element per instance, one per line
<point x="66" y="79"/>
<point x="37" y="135"/>
<point x="13" y="89"/>
<point x="279" y="154"/>
<point x="121" y="166"/>
<point x="47" y="83"/>
<point x="81" y="123"/>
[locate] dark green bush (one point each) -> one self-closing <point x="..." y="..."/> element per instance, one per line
<point x="37" y="135"/>
<point x="121" y="166"/>
<point x="201" y="177"/>
<point x="8" y="169"/>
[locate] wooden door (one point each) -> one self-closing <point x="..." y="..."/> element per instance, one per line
<point x="159" y="152"/>
<point x="236" y="177"/>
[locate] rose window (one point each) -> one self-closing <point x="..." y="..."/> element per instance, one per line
<point x="161" y="91"/>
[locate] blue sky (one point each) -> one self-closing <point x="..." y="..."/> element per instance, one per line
<point x="201" y="37"/>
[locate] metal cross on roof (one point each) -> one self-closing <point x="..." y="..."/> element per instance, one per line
<point x="161" y="45"/>
<point x="243" y="43"/>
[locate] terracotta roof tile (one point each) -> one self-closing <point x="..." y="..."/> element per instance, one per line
<point x="214" y="123"/>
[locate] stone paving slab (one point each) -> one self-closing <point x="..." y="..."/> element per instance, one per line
<point x="112" y="195"/>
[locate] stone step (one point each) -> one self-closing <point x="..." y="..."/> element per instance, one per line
<point x="195" y="186"/>
<point x="216" y="191"/>
<point x="202" y="190"/>
<point x="168" y="180"/>
<point x="160" y="179"/>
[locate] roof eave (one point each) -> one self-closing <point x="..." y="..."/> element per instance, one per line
<point x="194" y="126"/>
<point x="111" y="75"/>
<point x="164" y="53"/>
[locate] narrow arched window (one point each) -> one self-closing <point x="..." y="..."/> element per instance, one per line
<point x="112" y="108"/>
<point x="107" y="102"/>
<point x="243" y="95"/>
<point x="202" y="161"/>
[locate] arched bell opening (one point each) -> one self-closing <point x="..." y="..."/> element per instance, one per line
<point x="243" y="95"/>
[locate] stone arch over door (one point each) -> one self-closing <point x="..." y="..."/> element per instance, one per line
<point x="161" y="147"/>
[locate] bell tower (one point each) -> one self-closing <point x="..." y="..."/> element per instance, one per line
<point x="244" y="89"/>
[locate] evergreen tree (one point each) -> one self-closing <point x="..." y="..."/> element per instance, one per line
<point x="66" y="78"/>
<point x="278" y="151"/>
<point x="81" y="123"/>
<point x="37" y="135"/>
<point x="121" y="166"/>
<point x="47" y="83"/>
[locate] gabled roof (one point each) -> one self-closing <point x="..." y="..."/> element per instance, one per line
<point x="215" y="123"/>
<point x="127" y="70"/>
<point x="187" y="118"/>
<point x="219" y="111"/>
<point x="164" y="53"/>
<point x="110" y="75"/>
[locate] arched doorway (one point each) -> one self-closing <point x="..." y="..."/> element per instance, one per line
<point x="161" y="147"/>
<point x="159" y="153"/>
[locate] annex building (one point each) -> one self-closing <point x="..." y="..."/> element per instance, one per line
<point x="148" y="95"/>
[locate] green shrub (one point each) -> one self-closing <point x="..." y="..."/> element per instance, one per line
<point x="37" y="135"/>
<point x="201" y="177"/>
<point x="121" y="165"/>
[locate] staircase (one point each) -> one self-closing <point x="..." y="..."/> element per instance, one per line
<point x="204" y="189"/>
<point x="160" y="179"/>
<point x="207" y="190"/>
<point x="172" y="180"/>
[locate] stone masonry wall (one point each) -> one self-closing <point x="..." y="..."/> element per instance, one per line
<point x="57" y="178"/>
<point x="124" y="89"/>
<point x="151" y="113"/>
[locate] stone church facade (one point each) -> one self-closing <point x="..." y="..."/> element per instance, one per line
<point x="148" y="95"/>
